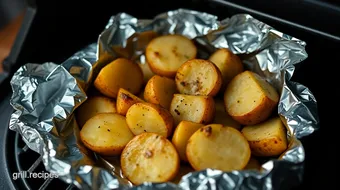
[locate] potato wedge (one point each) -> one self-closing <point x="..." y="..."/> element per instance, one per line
<point x="149" y="157"/>
<point x="147" y="73"/>
<point x="93" y="106"/>
<point x="106" y="133"/>
<point x="249" y="99"/>
<point x="198" y="77"/>
<point x="222" y="117"/>
<point x="218" y="147"/>
<point x="268" y="138"/>
<point x="253" y="164"/>
<point x="121" y="73"/>
<point x="182" y="133"/>
<point x="160" y="90"/>
<point x="125" y="100"/>
<point x="183" y="170"/>
<point x="165" y="54"/>
<point x="228" y="63"/>
<point x="198" y="109"/>
<point x="147" y="117"/>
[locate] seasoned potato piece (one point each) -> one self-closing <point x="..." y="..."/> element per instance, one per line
<point x="121" y="73"/>
<point x="228" y="63"/>
<point x="182" y="133"/>
<point x="222" y="117"/>
<point x="147" y="117"/>
<point x="268" y="138"/>
<point x="160" y="90"/>
<point x="198" y="77"/>
<point x="149" y="157"/>
<point x="147" y="73"/>
<point x="165" y="54"/>
<point x="249" y="99"/>
<point x="93" y="106"/>
<point x="253" y="164"/>
<point x="198" y="109"/>
<point x="106" y="133"/>
<point x="217" y="147"/>
<point x="183" y="170"/>
<point x="125" y="100"/>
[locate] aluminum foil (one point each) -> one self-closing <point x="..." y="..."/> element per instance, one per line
<point x="45" y="97"/>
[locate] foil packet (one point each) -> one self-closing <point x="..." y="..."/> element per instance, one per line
<point x="46" y="95"/>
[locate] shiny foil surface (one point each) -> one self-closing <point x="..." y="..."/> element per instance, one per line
<point x="46" y="95"/>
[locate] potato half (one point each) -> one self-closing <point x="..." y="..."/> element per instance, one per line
<point x="198" y="77"/>
<point x="165" y="54"/>
<point x="218" y="147"/>
<point x="147" y="117"/>
<point x="149" y="157"/>
<point x="160" y="90"/>
<point x="228" y="63"/>
<point x="121" y="73"/>
<point x="198" y="109"/>
<point x="250" y="99"/>
<point x="182" y="133"/>
<point x="268" y="138"/>
<point x="106" y="133"/>
<point x="125" y="100"/>
<point x="222" y="117"/>
<point x="93" y="106"/>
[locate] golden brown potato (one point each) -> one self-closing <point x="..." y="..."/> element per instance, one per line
<point x="125" y="100"/>
<point x="149" y="157"/>
<point x="268" y="138"/>
<point x="249" y="99"/>
<point x="93" y="106"/>
<point x="198" y="109"/>
<point x="182" y="133"/>
<point x="218" y="147"/>
<point x="228" y="63"/>
<point x="160" y="90"/>
<point x="106" y="133"/>
<point x="253" y="164"/>
<point x="147" y="73"/>
<point x="222" y="117"/>
<point x="198" y="77"/>
<point x="165" y="54"/>
<point x="147" y="117"/>
<point x="121" y="73"/>
<point x="183" y="170"/>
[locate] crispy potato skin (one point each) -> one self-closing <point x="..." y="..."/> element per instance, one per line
<point x="198" y="77"/>
<point x="165" y="54"/>
<point x="120" y="73"/>
<point x="107" y="126"/>
<point x="147" y="117"/>
<point x="183" y="107"/>
<point x="125" y="100"/>
<point x="149" y="157"/>
<point x="160" y="90"/>
<point x="268" y="147"/>
<point x="93" y="106"/>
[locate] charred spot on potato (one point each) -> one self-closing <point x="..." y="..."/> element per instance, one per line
<point x="148" y="154"/>
<point x="125" y="97"/>
<point x="98" y="127"/>
<point x="207" y="131"/>
<point x="183" y="83"/>
<point x="156" y="53"/>
<point x="108" y="130"/>
<point x="177" y="112"/>
<point x="275" y="141"/>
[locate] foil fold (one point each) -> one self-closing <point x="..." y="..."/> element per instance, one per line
<point x="45" y="97"/>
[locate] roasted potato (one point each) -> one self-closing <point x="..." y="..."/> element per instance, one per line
<point x="93" y="106"/>
<point x="218" y="147"/>
<point x="160" y="90"/>
<point x="125" y="100"/>
<point x="198" y="109"/>
<point x="147" y="117"/>
<point x="253" y="164"/>
<point x="182" y="133"/>
<point x="228" y="63"/>
<point x="106" y="133"/>
<point x="147" y="73"/>
<point x="165" y="54"/>
<point x="198" y="77"/>
<point x="121" y="73"/>
<point x="250" y="99"/>
<point x="268" y="138"/>
<point x="149" y="157"/>
<point x="222" y="117"/>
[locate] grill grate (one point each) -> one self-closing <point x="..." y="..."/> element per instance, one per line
<point x="28" y="161"/>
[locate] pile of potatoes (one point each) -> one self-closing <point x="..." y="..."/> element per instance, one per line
<point x="176" y="113"/>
